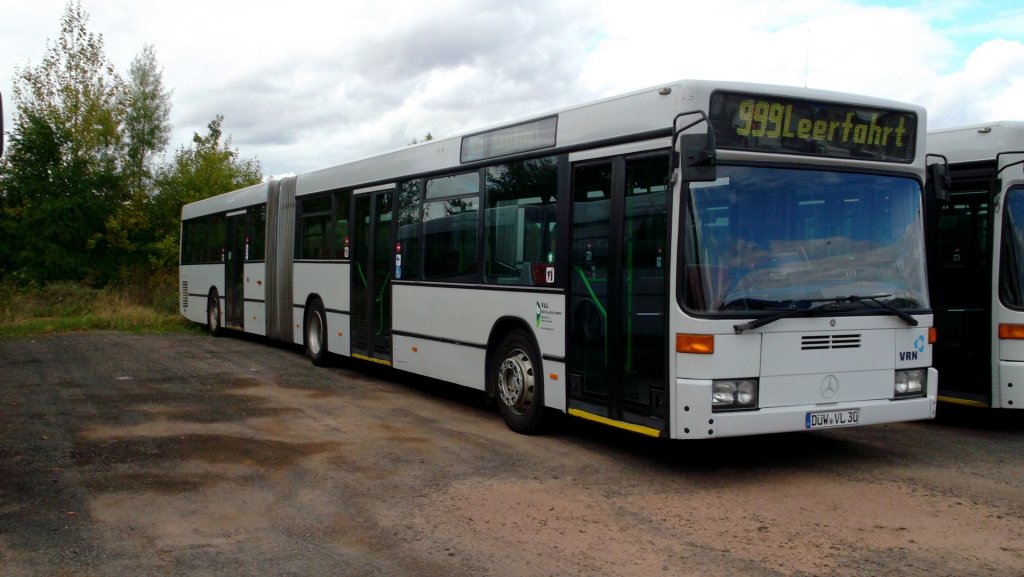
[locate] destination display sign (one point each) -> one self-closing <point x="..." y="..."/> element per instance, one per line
<point x="510" y="140"/>
<point x="773" y="123"/>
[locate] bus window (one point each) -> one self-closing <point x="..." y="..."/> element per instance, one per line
<point x="193" y="243"/>
<point x="450" y="239"/>
<point x="450" y="228"/>
<point x="1011" y="271"/>
<point x="456" y="185"/>
<point x="520" y="220"/>
<point x="314" y="229"/>
<point x="257" y="232"/>
<point x="341" y="238"/>
<point x="409" y="205"/>
<point x="785" y="236"/>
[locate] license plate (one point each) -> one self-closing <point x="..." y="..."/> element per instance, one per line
<point x="826" y="419"/>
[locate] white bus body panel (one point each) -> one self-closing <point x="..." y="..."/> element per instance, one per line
<point x="429" y="342"/>
<point x="977" y="141"/>
<point x="1011" y="383"/>
<point x="255" y="298"/>
<point x="331" y="282"/>
<point x="1008" y="391"/>
<point x="200" y="279"/>
<point x="792" y="374"/>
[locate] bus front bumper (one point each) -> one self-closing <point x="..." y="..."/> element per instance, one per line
<point x="693" y="418"/>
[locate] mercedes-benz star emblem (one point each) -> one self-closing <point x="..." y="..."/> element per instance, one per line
<point x="829" y="386"/>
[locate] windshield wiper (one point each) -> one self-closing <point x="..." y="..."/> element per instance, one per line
<point x="788" y="313"/>
<point x="749" y="304"/>
<point x="902" y="315"/>
<point x="826" y="304"/>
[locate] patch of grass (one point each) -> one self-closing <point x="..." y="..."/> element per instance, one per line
<point x="63" y="307"/>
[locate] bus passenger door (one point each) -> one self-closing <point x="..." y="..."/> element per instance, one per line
<point x="961" y="298"/>
<point x="234" y="271"/>
<point x="618" y="304"/>
<point x="372" y="255"/>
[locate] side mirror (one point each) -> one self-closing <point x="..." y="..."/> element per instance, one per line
<point x="698" y="161"/>
<point x="938" y="182"/>
<point x="696" y="155"/>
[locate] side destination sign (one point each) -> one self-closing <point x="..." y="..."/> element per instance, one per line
<point x="525" y="137"/>
<point x="773" y="123"/>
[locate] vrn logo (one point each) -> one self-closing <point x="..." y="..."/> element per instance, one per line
<point x="918" y="348"/>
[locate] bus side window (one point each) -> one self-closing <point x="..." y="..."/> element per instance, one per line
<point x="450" y="238"/>
<point x="520" y="216"/>
<point x="341" y="239"/>
<point x="410" y="203"/>
<point x="257" y="232"/>
<point x="450" y="223"/>
<point x="314" y="228"/>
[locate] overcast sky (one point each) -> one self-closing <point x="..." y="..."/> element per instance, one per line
<point x="306" y="84"/>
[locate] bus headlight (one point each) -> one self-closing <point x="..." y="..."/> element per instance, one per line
<point x="733" y="394"/>
<point x="910" y="383"/>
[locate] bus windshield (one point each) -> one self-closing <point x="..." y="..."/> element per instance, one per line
<point x="770" y="239"/>
<point x="1011" y="273"/>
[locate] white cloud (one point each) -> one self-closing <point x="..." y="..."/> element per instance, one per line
<point x="990" y="86"/>
<point x="303" y="84"/>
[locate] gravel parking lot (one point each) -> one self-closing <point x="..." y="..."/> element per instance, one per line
<point x="187" y="455"/>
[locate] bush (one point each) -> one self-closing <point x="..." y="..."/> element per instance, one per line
<point x="149" y="305"/>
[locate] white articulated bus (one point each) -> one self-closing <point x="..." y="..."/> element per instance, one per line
<point x="976" y="251"/>
<point x="697" y="260"/>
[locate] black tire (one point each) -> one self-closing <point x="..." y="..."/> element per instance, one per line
<point x="213" y="314"/>
<point x="518" y="381"/>
<point x="315" y="332"/>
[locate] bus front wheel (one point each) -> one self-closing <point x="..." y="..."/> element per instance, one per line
<point x="316" y="333"/>
<point x="518" y="383"/>
<point x="213" y="314"/>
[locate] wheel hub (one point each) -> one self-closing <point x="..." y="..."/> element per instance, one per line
<point x="516" y="382"/>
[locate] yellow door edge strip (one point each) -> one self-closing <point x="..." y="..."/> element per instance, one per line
<point x="372" y="360"/>
<point x="650" y="432"/>
<point x="964" y="402"/>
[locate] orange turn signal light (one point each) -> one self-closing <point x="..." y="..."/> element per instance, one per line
<point x="1011" y="332"/>
<point x="695" y="344"/>
<point x="933" y="335"/>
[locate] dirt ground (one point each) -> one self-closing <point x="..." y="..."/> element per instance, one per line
<point x="188" y="455"/>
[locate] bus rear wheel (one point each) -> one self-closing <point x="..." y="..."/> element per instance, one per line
<point x="518" y="383"/>
<point x="213" y="314"/>
<point x="316" y="333"/>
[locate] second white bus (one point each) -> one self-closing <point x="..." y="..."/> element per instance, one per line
<point x="977" y="265"/>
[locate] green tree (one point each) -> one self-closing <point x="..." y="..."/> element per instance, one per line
<point x="61" y="178"/>
<point x="208" y="167"/>
<point x="147" y="130"/>
<point x="147" y="126"/>
<point x="426" y="138"/>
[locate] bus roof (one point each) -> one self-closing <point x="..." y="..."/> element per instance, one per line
<point x="640" y="115"/>
<point x="227" y="202"/>
<point x="977" y="142"/>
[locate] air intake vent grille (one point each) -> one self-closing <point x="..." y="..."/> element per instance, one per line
<point x="184" y="295"/>
<point x="827" y="342"/>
